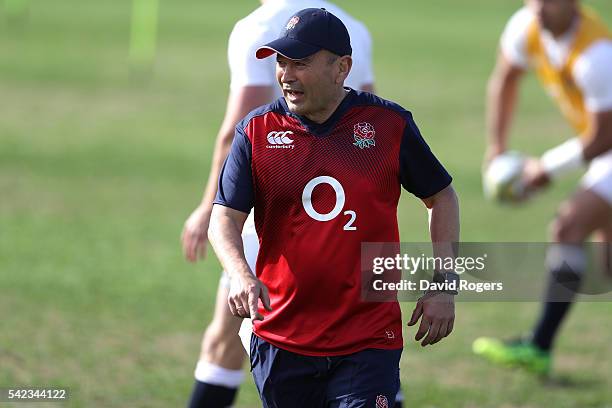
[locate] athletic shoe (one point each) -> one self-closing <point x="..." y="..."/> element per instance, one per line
<point x="514" y="353"/>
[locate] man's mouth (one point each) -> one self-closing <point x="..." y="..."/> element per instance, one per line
<point x="293" y="95"/>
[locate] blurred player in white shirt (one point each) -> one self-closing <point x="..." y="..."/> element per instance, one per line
<point x="219" y="372"/>
<point x="570" y="49"/>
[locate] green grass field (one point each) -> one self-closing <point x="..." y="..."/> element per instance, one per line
<point x="98" y="171"/>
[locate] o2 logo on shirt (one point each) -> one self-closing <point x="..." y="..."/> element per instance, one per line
<point x="340" y="199"/>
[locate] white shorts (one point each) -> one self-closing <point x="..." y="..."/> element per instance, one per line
<point x="245" y="333"/>
<point x="598" y="177"/>
<point x="250" y="243"/>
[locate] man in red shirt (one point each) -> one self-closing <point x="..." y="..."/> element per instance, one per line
<point x="323" y="168"/>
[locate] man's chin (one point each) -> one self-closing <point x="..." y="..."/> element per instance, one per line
<point x="295" y="108"/>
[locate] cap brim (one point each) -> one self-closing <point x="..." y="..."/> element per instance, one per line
<point x="287" y="47"/>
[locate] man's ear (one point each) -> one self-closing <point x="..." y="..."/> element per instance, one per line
<point x="344" y="68"/>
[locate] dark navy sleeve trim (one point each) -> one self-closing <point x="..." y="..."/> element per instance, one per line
<point x="420" y="171"/>
<point x="235" y="188"/>
<point x="236" y="181"/>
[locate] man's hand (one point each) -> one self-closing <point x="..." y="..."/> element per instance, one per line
<point x="245" y="292"/>
<point x="534" y="176"/>
<point x="438" y="317"/>
<point x="195" y="234"/>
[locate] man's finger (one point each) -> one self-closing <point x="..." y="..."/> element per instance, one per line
<point x="184" y="244"/>
<point x="434" y="328"/>
<point x="242" y="306"/>
<point x="240" y="311"/>
<point x="188" y="247"/>
<point x="451" y="324"/>
<point x="243" y="302"/>
<point x="202" y="250"/>
<point x="253" y="307"/>
<point x="265" y="298"/>
<point x="441" y="332"/>
<point x="232" y="306"/>
<point x="423" y="328"/>
<point x="416" y="313"/>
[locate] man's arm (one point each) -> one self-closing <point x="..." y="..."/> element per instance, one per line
<point x="502" y="92"/>
<point x="437" y="309"/>
<point x="225" y="235"/>
<point x="239" y="104"/>
<point x="600" y="139"/>
<point x="591" y="73"/>
<point x="443" y="217"/>
<point x="570" y="155"/>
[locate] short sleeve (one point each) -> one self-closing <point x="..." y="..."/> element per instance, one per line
<point x="593" y="74"/>
<point x="245" y="68"/>
<point x="420" y="171"/>
<point x="513" y="43"/>
<point x="236" y="180"/>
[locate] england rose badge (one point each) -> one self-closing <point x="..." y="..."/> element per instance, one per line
<point x="363" y="132"/>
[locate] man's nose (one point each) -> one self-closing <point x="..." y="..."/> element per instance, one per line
<point x="288" y="74"/>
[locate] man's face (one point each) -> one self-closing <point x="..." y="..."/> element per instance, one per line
<point x="553" y="15"/>
<point x="309" y="85"/>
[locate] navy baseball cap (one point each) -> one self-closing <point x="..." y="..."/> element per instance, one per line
<point x="307" y="32"/>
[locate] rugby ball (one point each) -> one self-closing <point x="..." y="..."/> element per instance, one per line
<point x="502" y="178"/>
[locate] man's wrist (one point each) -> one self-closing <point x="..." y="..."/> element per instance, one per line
<point x="445" y="282"/>
<point x="242" y="273"/>
<point x="494" y="150"/>
<point x="563" y="159"/>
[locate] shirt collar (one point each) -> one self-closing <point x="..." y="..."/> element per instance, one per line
<point x="323" y="129"/>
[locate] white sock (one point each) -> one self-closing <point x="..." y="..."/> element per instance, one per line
<point x="217" y="375"/>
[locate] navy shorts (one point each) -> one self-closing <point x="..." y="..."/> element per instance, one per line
<point x="368" y="378"/>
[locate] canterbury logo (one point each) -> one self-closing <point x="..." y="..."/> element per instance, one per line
<point x="280" y="140"/>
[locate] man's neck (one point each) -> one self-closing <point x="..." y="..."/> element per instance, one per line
<point x="566" y="27"/>
<point x="323" y="115"/>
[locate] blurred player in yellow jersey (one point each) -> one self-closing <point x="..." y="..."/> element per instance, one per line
<point x="570" y="50"/>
